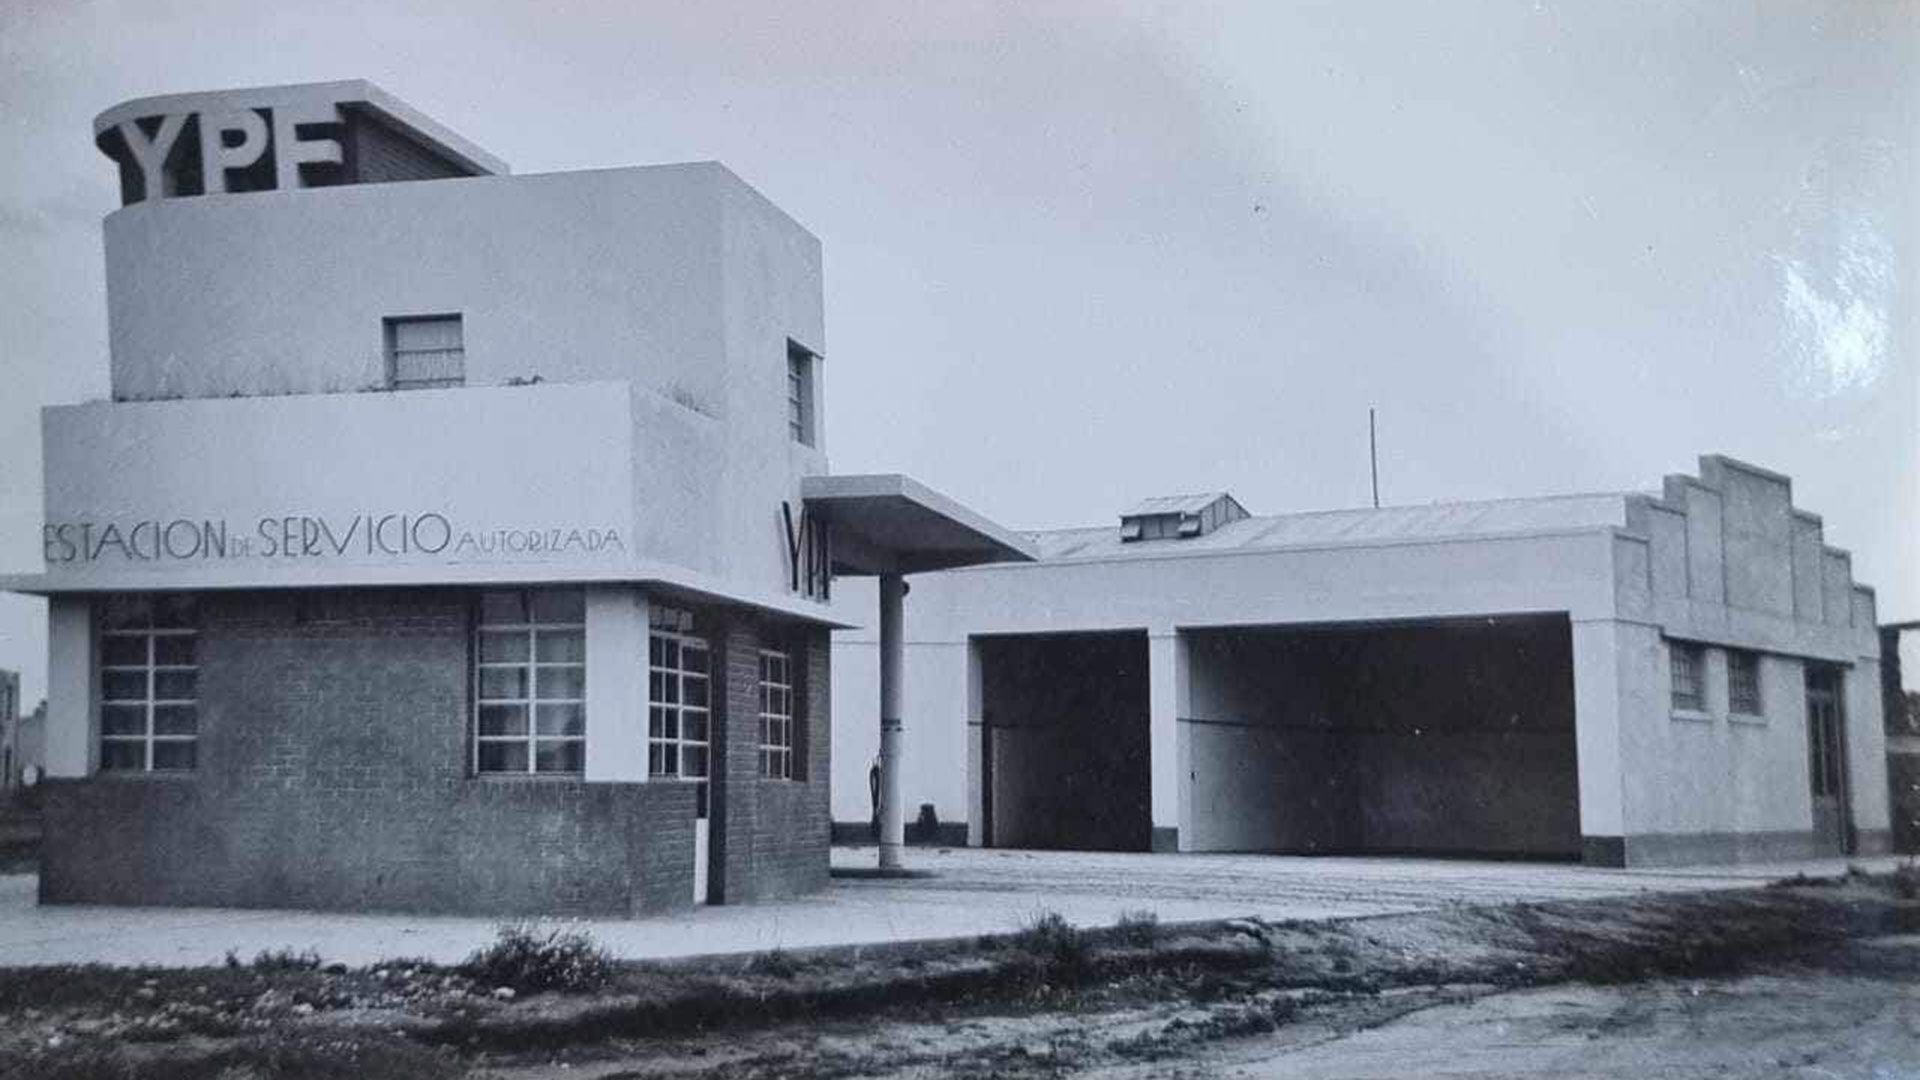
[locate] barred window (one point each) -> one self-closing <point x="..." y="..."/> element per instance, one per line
<point x="1689" y="676"/>
<point x="530" y="681"/>
<point x="426" y="352"/>
<point x="776" y="714"/>
<point x="149" y="684"/>
<point x="1743" y="682"/>
<point x="678" y="685"/>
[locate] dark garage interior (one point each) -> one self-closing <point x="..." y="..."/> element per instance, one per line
<point x="1066" y="744"/>
<point x="1435" y="737"/>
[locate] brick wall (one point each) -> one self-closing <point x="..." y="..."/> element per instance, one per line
<point x="771" y="835"/>
<point x="333" y="774"/>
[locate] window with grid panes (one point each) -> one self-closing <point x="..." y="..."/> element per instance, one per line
<point x="149" y="684"/>
<point x="800" y="411"/>
<point x="776" y="714"/>
<point x="426" y="352"/>
<point x="1743" y="682"/>
<point x="679" y="689"/>
<point x="1689" y="664"/>
<point x="530" y="681"/>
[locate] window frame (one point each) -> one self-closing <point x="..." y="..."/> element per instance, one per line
<point x="149" y="632"/>
<point x="779" y="711"/>
<point x="661" y="705"/>
<point x="391" y="325"/>
<point x="1692" y="700"/>
<point x="1744" y="700"/>
<point x="532" y="695"/>
<point x="802" y="414"/>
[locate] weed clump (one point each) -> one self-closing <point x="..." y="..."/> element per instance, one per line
<point x="1051" y="939"/>
<point x="1906" y="879"/>
<point x="1139" y="928"/>
<point x="282" y="959"/>
<point x="775" y="962"/>
<point x="528" y="957"/>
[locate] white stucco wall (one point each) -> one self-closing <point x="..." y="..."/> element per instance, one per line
<point x="654" y="304"/>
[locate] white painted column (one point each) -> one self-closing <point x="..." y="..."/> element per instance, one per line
<point x="1868" y="793"/>
<point x="893" y="594"/>
<point x="1167" y="703"/>
<point x="616" y="684"/>
<point x="1597" y="716"/>
<point x="979" y="745"/>
<point x="70" y="678"/>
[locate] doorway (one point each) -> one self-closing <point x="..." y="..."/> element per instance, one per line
<point x="1826" y="758"/>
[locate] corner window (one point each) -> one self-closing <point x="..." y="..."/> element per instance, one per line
<point x="1743" y="682"/>
<point x="530" y="681"/>
<point x="776" y="714"/>
<point x="149" y="684"/>
<point x="800" y="410"/>
<point x="1689" y="676"/>
<point x="426" y="352"/>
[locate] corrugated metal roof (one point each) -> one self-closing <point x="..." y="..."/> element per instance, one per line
<point x="1173" y="504"/>
<point x="1357" y="527"/>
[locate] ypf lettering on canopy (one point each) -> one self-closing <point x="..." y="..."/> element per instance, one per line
<point x="277" y="138"/>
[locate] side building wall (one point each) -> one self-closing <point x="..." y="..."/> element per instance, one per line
<point x="1724" y="561"/>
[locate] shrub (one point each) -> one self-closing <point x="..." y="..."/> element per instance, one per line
<point x="1050" y="938"/>
<point x="281" y="960"/>
<point x="776" y="962"/>
<point x="1906" y="879"/>
<point x="1139" y="928"/>
<point x="529" y="957"/>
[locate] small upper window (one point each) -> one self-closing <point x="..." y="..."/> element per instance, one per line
<point x="1689" y="676"/>
<point x="426" y="352"/>
<point x="800" y="410"/>
<point x="1743" y="682"/>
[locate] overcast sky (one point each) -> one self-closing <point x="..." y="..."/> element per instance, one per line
<point x="1081" y="253"/>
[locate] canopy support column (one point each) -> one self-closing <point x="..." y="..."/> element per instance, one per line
<point x="893" y="592"/>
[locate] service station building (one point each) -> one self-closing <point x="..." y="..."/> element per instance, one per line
<point x="453" y="541"/>
<point x="457" y="541"/>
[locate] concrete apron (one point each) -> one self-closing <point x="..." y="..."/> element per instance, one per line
<point x="972" y="892"/>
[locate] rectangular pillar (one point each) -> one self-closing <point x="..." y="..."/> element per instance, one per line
<point x="70" y="687"/>
<point x="616" y="684"/>
<point x="979" y="745"/>
<point x="1597" y="702"/>
<point x="1167" y="704"/>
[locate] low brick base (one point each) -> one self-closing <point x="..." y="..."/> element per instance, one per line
<point x="333" y="774"/>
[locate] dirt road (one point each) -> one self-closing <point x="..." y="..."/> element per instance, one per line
<point x="1852" y="1011"/>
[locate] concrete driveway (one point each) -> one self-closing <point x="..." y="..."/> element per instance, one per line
<point x="973" y="892"/>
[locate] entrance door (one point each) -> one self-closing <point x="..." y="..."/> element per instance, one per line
<point x="1826" y="759"/>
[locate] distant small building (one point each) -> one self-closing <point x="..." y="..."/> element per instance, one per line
<point x="9" y="727"/>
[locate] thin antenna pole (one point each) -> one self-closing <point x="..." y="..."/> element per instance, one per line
<point x="1373" y="458"/>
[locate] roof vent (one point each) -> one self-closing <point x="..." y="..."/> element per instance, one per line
<point x="1178" y="517"/>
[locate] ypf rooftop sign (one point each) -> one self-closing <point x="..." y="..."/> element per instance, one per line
<point x="277" y="138"/>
